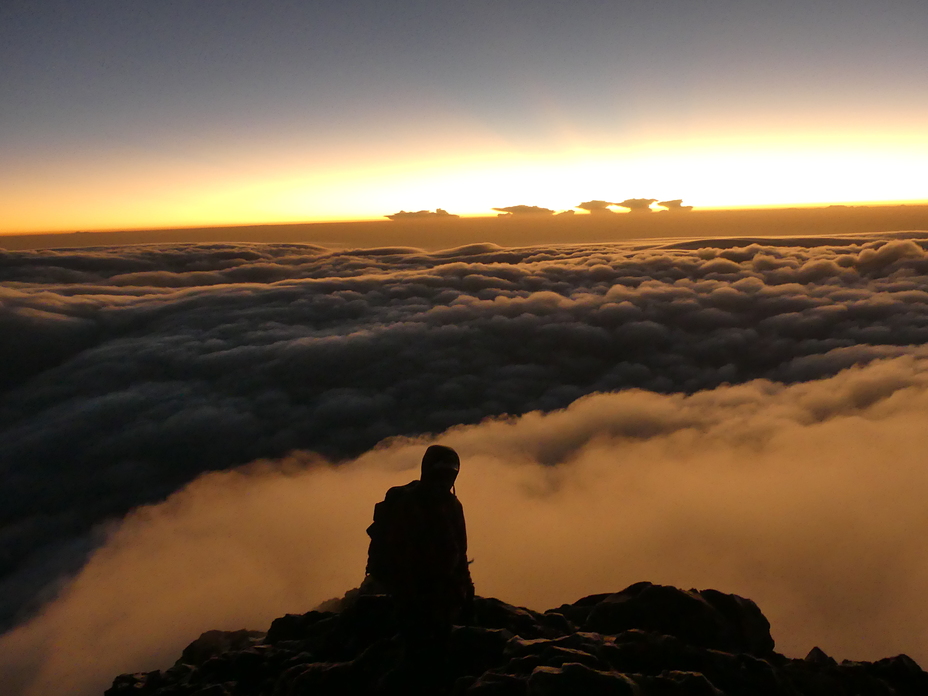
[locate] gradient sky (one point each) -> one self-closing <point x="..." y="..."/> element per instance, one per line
<point x="141" y="114"/>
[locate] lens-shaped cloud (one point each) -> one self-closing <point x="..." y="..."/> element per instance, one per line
<point x="521" y="210"/>
<point x="596" y="207"/>
<point x="637" y="205"/>
<point x="422" y="215"/>
<point x="675" y="206"/>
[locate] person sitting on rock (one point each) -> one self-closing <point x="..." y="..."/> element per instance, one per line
<point x="418" y="553"/>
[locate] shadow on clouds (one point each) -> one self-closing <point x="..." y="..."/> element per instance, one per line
<point x="807" y="498"/>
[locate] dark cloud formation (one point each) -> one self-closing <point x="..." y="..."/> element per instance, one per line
<point x="422" y="215"/>
<point x="637" y="205"/>
<point x="129" y="371"/>
<point x="675" y="206"/>
<point x="521" y="210"/>
<point x="597" y="207"/>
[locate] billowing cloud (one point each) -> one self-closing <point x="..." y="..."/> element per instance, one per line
<point x="807" y="498"/>
<point x="523" y="210"/>
<point x="637" y="205"/>
<point x="675" y="206"/>
<point x="131" y="371"/>
<point x="422" y="215"/>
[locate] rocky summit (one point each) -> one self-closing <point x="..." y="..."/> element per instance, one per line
<point x="647" y="640"/>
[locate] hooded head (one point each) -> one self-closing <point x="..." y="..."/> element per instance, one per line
<point x="440" y="466"/>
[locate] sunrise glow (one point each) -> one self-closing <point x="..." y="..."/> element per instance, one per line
<point x="172" y="124"/>
<point x="120" y="193"/>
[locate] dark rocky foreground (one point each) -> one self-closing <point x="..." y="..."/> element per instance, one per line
<point x="648" y="640"/>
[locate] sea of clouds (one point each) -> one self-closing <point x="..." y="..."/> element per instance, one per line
<point x="741" y="414"/>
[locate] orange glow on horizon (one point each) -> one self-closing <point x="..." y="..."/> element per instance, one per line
<point x="270" y="183"/>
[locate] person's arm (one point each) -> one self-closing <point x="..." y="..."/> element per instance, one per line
<point x="461" y="532"/>
<point x="466" y="583"/>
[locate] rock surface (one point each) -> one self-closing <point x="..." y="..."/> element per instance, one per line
<point x="647" y="640"/>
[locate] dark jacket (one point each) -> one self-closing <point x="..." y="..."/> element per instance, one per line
<point x="419" y="545"/>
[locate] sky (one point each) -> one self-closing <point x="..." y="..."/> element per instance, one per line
<point x="131" y="115"/>
<point x="193" y="436"/>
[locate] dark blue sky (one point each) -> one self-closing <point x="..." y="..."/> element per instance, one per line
<point x="127" y="114"/>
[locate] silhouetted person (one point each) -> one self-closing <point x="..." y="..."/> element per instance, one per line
<point x="418" y="554"/>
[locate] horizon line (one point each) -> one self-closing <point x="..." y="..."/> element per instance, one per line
<point x="474" y="216"/>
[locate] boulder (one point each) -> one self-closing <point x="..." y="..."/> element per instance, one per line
<point x="706" y="618"/>
<point x="213" y="643"/>
<point x="574" y="678"/>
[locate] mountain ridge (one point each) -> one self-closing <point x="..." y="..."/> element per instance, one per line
<point x="646" y="640"/>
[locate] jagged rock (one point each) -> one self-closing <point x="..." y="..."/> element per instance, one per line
<point x="475" y="649"/>
<point x="820" y="657"/>
<point x="498" y="684"/>
<point x="902" y="670"/>
<point x="214" y="643"/>
<point x="494" y="613"/>
<point x="648" y="640"/>
<point x="675" y="683"/>
<point x="577" y="678"/>
<point x="295" y="626"/>
<point x="706" y="618"/>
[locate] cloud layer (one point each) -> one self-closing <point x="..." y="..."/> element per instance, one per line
<point x="807" y="498"/>
<point x="133" y="370"/>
